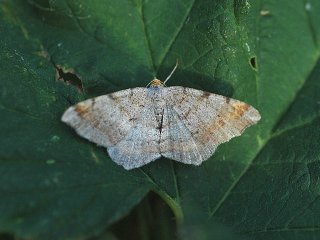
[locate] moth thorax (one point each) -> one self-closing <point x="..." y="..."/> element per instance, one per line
<point x="156" y="83"/>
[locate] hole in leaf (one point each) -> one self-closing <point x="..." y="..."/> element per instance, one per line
<point x="253" y="62"/>
<point x="68" y="76"/>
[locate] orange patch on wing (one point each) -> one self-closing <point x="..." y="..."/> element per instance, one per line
<point x="82" y="109"/>
<point x="206" y="135"/>
<point x="239" y="109"/>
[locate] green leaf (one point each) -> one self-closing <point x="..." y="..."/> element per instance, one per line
<point x="264" y="184"/>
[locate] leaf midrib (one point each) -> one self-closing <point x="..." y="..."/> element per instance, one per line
<point x="164" y="194"/>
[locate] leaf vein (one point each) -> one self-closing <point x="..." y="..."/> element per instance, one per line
<point x="147" y="38"/>
<point x="176" y="34"/>
<point x="244" y="171"/>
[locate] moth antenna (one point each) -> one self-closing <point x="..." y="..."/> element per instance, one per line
<point x="175" y="67"/>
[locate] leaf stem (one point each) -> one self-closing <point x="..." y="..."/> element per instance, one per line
<point x="173" y="204"/>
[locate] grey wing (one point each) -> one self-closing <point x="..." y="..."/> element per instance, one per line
<point x="210" y="119"/>
<point x="107" y="119"/>
<point x="141" y="145"/>
<point x="177" y="141"/>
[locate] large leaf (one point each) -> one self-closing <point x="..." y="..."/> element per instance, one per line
<point x="264" y="184"/>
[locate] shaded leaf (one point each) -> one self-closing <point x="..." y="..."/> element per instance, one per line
<point x="263" y="184"/>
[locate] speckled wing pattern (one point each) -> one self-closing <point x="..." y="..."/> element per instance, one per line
<point x="197" y="122"/>
<point x="122" y="122"/>
<point x="140" y="125"/>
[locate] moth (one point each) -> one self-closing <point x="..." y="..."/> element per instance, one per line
<point x="139" y="125"/>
